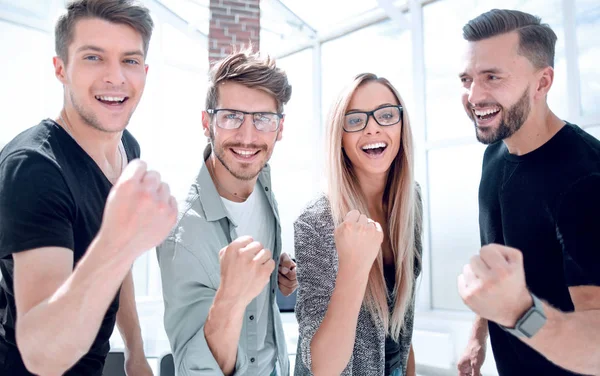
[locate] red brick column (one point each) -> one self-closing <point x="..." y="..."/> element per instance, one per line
<point x="232" y="23"/>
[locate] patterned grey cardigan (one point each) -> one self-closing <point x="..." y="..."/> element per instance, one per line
<point x="317" y="261"/>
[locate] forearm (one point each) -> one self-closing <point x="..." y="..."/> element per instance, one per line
<point x="56" y="333"/>
<point x="480" y="330"/>
<point x="411" y="368"/>
<point x="570" y="340"/>
<point x="333" y="343"/>
<point x="222" y="331"/>
<point x="127" y="317"/>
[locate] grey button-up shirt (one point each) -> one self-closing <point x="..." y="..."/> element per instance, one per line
<point x="189" y="265"/>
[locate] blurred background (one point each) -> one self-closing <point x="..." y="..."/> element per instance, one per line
<point x="321" y="44"/>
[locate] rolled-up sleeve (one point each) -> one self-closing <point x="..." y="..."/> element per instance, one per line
<point x="189" y="290"/>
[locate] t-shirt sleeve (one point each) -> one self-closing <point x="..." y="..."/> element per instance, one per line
<point x="36" y="206"/>
<point x="578" y="227"/>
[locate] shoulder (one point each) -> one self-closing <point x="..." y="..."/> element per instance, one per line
<point x="317" y="213"/>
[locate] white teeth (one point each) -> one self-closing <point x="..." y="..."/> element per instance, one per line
<point x="110" y="99"/>
<point x="244" y="152"/>
<point x="375" y="145"/>
<point x="486" y="112"/>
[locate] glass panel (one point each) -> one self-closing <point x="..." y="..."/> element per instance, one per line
<point x="293" y="162"/>
<point x="30" y="92"/>
<point x="384" y="49"/>
<point x="443" y="45"/>
<point x="588" y="29"/>
<point x="324" y="14"/>
<point x="454" y="175"/>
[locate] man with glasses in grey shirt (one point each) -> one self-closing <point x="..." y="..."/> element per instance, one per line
<point x="218" y="265"/>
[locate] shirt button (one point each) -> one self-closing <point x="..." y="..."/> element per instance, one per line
<point x="251" y="317"/>
<point x="267" y="189"/>
<point x="252" y="360"/>
<point x="273" y="291"/>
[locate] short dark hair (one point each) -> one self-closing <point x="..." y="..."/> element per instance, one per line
<point x="126" y="12"/>
<point x="251" y="70"/>
<point x="537" y="41"/>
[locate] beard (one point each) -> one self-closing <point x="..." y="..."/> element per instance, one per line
<point x="512" y="120"/>
<point x="247" y="171"/>
<point x="91" y="119"/>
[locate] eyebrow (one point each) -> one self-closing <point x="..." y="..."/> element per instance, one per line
<point x="485" y="71"/>
<point x="89" y="47"/>
<point x="378" y="107"/>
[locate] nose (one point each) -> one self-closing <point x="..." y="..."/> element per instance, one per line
<point x="476" y="93"/>
<point x="114" y="73"/>
<point x="246" y="133"/>
<point x="372" y="127"/>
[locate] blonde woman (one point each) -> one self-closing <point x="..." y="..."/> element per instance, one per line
<point x="358" y="246"/>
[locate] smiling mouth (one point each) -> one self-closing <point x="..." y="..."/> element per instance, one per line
<point x="374" y="149"/>
<point x="246" y="154"/>
<point x="110" y="100"/>
<point x="484" y="115"/>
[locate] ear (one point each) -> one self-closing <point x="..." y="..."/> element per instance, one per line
<point x="544" y="82"/>
<point x="60" y="69"/>
<point x="280" y="131"/>
<point x="146" y="68"/>
<point x="206" y="123"/>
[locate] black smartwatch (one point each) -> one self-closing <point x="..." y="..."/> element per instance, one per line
<point x="531" y="321"/>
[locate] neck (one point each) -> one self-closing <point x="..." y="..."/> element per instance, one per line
<point x="102" y="147"/>
<point x="373" y="186"/>
<point x="96" y="143"/>
<point x="539" y="128"/>
<point x="228" y="186"/>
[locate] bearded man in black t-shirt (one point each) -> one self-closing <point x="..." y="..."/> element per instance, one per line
<point x="535" y="283"/>
<point x="77" y="207"/>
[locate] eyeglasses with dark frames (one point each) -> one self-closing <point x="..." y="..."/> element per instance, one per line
<point x="356" y="121"/>
<point x="233" y="119"/>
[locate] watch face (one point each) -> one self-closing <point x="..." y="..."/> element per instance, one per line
<point x="532" y="323"/>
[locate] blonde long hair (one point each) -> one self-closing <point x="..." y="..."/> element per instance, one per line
<point x="399" y="205"/>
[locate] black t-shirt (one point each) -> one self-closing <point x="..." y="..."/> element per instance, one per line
<point x="392" y="348"/>
<point x="52" y="193"/>
<point x="546" y="204"/>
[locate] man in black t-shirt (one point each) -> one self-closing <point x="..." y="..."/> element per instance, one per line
<point x="535" y="284"/>
<point x="77" y="207"/>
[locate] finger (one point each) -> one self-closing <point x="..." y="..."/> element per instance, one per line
<point x="269" y="266"/>
<point x="285" y="261"/>
<point x="493" y="258"/>
<point x="377" y="226"/>
<point x="290" y="275"/>
<point x="164" y="193"/>
<point x="512" y="255"/>
<point x="151" y="181"/>
<point x="263" y="256"/>
<point x="285" y="282"/>
<point x="352" y="216"/>
<point x="242" y="241"/>
<point x="480" y="269"/>
<point x="462" y="286"/>
<point x="363" y="220"/>
<point x="135" y="170"/>
<point x="252" y="249"/>
<point x="173" y="204"/>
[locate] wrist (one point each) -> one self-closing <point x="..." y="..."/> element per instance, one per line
<point x="524" y="303"/>
<point x="228" y="304"/>
<point x="114" y="248"/>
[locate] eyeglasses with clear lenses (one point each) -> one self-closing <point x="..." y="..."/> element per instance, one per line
<point x="233" y="119"/>
<point x="356" y="121"/>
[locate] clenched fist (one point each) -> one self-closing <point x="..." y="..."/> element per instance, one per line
<point x="358" y="241"/>
<point x="245" y="269"/>
<point x="140" y="211"/>
<point x="493" y="285"/>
